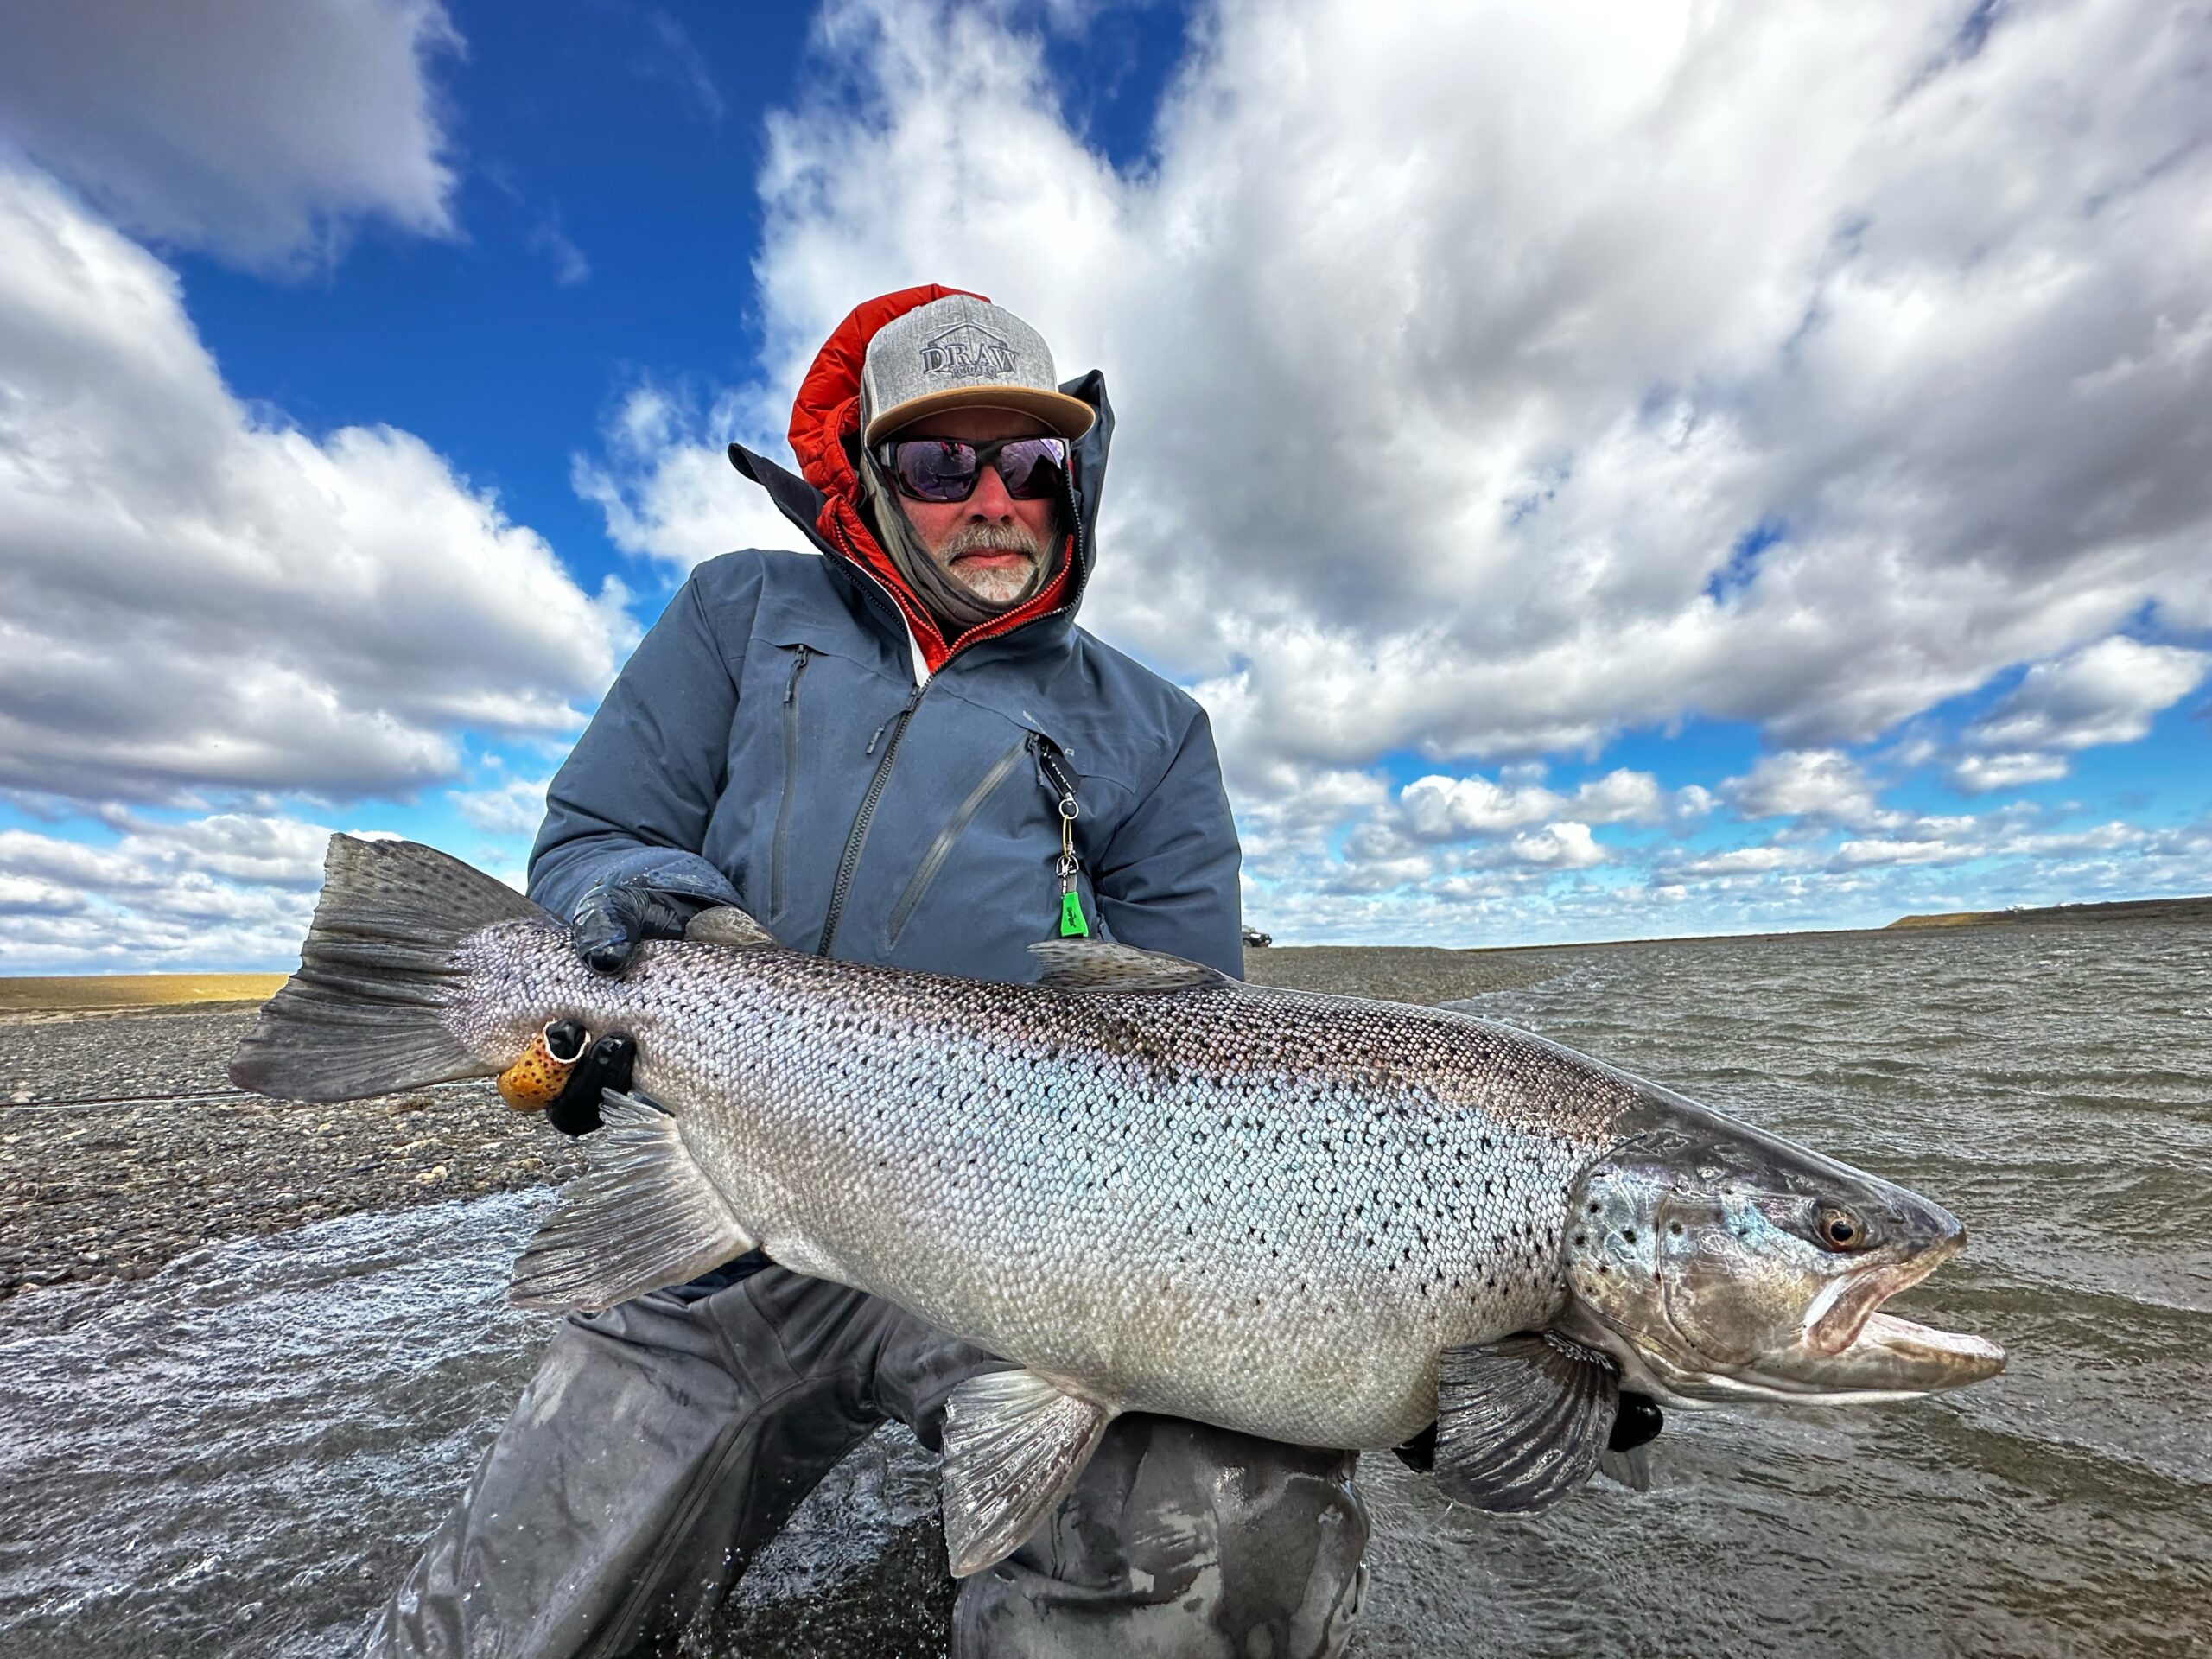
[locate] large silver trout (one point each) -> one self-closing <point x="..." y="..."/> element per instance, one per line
<point x="1313" y="1218"/>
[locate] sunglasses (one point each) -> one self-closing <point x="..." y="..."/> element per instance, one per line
<point x="945" y="469"/>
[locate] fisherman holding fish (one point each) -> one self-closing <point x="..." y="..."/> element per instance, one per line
<point x="1192" y="1233"/>
<point x="895" y="747"/>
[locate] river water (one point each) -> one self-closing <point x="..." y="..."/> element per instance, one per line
<point x="240" y="1453"/>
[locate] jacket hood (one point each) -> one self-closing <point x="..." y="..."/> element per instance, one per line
<point x="824" y="500"/>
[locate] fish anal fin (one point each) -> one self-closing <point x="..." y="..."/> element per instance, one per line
<point x="727" y="925"/>
<point x="1014" y="1446"/>
<point x="1522" y="1422"/>
<point x="1102" y="965"/>
<point x="642" y="1216"/>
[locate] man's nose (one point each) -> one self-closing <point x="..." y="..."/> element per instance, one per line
<point x="990" y="498"/>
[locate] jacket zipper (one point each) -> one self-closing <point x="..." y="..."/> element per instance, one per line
<point x="858" y="835"/>
<point x="791" y="774"/>
<point x="941" y="849"/>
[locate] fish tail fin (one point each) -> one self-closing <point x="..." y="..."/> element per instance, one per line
<point x="362" y="1016"/>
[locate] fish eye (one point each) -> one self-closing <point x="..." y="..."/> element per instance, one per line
<point x="1836" y="1229"/>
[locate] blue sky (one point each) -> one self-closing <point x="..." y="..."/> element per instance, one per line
<point x="1698" y="470"/>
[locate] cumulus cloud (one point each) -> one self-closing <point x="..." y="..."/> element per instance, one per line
<point x="196" y="597"/>
<point x="1823" y="784"/>
<point x="257" y="129"/>
<point x="1979" y="773"/>
<point x="665" y="483"/>
<point x="1490" y="386"/>
<point x="2108" y="692"/>
<point x="226" y="890"/>
<point x="1451" y="809"/>
<point x="514" y="808"/>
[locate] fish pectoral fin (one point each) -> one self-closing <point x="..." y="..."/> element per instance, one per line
<point x="642" y="1216"/>
<point x="1101" y="965"/>
<point x="1522" y="1422"/>
<point x="1631" y="1468"/>
<point x="1014" y="1445"/>
<point x="727" y="925"/>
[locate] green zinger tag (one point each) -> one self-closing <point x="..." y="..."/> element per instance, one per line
<point x="1072" y="926"/>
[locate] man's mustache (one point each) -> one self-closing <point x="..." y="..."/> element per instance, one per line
<point x="995" y="538"/>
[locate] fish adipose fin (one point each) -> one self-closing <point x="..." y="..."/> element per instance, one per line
<point x="1099" y="965"/>
<point x="1522" y="1422"/>
<point x="362" y="1016"/>
<point x="727" y="925"/>
<point x="643" y="1216"/>
<point x="1014" y="1446"/>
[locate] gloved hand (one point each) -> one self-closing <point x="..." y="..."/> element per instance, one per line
<point x="606" y="1064"/>
<point x="1639" y="1422"/>
<point x="615" y="917"/>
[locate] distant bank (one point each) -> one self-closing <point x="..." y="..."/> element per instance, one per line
<point x="2133" y="910"/>
<point x="70" y="992"/>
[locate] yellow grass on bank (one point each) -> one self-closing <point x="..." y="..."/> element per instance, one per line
<point x="131" y="990"/>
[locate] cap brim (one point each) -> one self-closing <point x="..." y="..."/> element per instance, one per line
<point x="1071" y="417"/>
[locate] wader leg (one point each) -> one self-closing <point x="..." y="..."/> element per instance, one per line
<point x="660" y="1445"/>
<point x="1181" y="1541"/>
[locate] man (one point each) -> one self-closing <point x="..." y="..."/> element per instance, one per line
<point x="900" y="751"/>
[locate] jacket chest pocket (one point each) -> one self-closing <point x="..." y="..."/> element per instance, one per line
<point x="1003" y="835"/>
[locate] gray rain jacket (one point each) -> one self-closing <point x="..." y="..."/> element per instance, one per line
<point x="767" y="746"/>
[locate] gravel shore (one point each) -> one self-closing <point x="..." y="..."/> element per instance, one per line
<point x="122" y="1145"/>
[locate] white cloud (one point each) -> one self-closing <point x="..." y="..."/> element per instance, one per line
<point x="1555" y="847"/>
<point x="666" y="486"/>
<point x="1822" y="783"/>
<point x="1739" y="860"/>
<point x="1860" y="854"/>
<point x="192" y="597"/>
<point x="2108" y="692"/>
<point x="1458" y="351"/>
<point x="1437" y="808"/>
<point x="227" y="890"/>
<point x="1979" y="773"/>
<point x="514" y="808"/>
<point x="257" y="128"/>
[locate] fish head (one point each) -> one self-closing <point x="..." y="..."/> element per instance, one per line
<point x="1717" y="1262"/>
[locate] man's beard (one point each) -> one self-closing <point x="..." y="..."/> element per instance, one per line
<point x="1004" y="587"/>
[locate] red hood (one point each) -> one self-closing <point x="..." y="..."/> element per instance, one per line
<point x="825" y="418"/>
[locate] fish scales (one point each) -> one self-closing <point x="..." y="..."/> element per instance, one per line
<point x="1265" y="1208"/>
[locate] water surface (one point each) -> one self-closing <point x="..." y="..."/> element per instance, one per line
<point x="241" y="1453"/>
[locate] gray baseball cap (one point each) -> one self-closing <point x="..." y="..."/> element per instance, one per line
<point x="961" y="353"/>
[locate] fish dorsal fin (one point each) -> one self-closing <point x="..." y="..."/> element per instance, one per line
<point x="1102" y="965"/>
<point x="727" y="925"/>
<point x="643" y="1215"/>
<point x="1522" y="1422"/>
<point x="1014" y="1446"/>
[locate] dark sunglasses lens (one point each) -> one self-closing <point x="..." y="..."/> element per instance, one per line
<point x="935" y="469"/>
<point x="1033" y="467"/>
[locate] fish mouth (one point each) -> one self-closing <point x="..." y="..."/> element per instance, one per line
<point x="1864" y="1353"/>
<point x="1838" y="1313"/>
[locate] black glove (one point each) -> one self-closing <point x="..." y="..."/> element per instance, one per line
<point x="615" y="917"/>
<point x="1639" y="1422"/>
<point x="606" y="1064"/>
